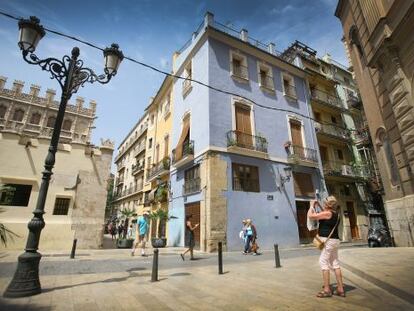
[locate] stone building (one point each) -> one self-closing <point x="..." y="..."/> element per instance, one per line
<point x="348" y="159"/>
<point x="379" y="41"/>
<point x="75" y="203"/>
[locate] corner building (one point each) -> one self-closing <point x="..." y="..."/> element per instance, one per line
<point x="232" y="153"/>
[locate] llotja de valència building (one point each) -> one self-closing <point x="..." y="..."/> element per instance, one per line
<point x="75" y="204"/>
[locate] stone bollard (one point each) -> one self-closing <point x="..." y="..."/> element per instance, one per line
<point x="277" y="258"/>
<point x="154" y="275"/>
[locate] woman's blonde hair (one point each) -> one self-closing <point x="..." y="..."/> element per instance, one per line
<point x="248" y="221"/>
<point x="331" y="202"/>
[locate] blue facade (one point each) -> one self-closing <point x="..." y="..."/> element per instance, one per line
<point x="273" y="209"/>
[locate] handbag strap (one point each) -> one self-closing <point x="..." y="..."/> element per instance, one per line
<point x="333" y="229"/>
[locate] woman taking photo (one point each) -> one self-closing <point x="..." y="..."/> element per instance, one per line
<point x="189" y="237"/>
<point x="328" y="233"/>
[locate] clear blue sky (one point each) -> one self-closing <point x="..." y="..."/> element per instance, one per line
<point x="151" y="31"/>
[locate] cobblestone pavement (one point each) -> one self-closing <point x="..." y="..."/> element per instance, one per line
<point x="376" y="279"/>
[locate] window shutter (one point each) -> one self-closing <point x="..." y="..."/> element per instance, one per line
<point x="185" y="132"/>
<point x="303" y="184"/>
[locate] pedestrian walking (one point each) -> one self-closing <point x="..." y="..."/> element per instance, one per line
<point x="112" y="230"/>
<point x="141" y="233"/>
<point x="189" y="235"/>
<point x="251" y="236"/>
<point x="121" y="230"/>
<point x="242" y="233"/>
<point x="328" y="234"/>
<point x="130" y="232"/>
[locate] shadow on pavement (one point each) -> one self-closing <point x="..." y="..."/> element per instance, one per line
<point x="17" y="307"/>
<point x="180" y="274"/>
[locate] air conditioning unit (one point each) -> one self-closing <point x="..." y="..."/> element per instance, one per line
<point x="347" y="170"/>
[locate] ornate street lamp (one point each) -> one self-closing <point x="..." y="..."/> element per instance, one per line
<point x="70" y="74"/>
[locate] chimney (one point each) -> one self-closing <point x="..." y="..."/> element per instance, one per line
<point x="50" y="95"/>
<point x="79" y="102"/>
<point x="271" y="48"/>
<point x="34" y="90"/>
<point x="209" y="19"/>
<point x="244" y="35"/>
<point x="92" y="105"/>
<point x="2" y="82"/>
<point x="18" y="86"/>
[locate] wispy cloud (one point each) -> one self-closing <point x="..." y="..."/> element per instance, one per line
<point x="283" y="10"/>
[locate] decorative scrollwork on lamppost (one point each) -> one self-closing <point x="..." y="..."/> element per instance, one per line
<point x="70" y="74"/>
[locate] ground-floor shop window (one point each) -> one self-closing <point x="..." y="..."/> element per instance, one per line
<point x="15" y="195"/>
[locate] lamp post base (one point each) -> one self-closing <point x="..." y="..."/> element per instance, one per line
<point x="25" y="281"/>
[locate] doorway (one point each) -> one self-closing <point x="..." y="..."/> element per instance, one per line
<point x="352" y="220"/>
<point x="193" y="209"/>
<point x="305" y="236"/>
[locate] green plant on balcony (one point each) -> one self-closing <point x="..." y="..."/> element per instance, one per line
<point x="188" y="149"/>
<point x="231" y="141"/>
<point x="161" y="195"/>
<point x="166" y="163"/>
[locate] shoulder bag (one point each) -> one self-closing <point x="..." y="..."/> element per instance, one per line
<point x="318" y="243"/>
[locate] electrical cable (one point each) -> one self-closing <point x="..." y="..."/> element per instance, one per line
<point x="182" y="78"/>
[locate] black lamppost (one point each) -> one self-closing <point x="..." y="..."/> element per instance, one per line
<point x="70" y="74"/>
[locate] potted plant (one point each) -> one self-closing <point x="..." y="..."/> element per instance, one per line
<point x="124" y="241"/>
<point x="160" y="217"/>
<point x="166" y="163"/>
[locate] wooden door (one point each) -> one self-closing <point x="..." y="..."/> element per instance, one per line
<point x="297" y="141"/>
<point x="193" y="209"/>
<point x="243" y="126"/>
<point x="352" y="220"/>
<point x="305" y="236"/>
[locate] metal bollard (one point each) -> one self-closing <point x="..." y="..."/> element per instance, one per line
<point x="277" y="258"/>
<point x="220" y="258"/>
<point x="154" y="275"/>
<point x="72" y="253"/>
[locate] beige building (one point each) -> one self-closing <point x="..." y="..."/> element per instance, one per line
<point x="143" y="160"/>
<point x="378" y="36"/>
<point x="75" y="203"/>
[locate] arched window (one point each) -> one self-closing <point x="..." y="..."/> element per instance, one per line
<point x="18" y="115"/>
<point x="384" y="145"/>
<point x="67" y="125"/>
<point x="35" y="118"/>
<point x="354" y="40"/>
<point x="51" y="122"/>
<point x="3" y="110"/>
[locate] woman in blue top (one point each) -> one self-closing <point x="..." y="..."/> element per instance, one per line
<point x="251" y="236"/>
<point x="142" y="230"/>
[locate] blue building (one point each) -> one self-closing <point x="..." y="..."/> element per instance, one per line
<point x="248" y="152"/>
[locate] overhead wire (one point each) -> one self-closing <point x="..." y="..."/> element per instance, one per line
<point x="181" y="78"/>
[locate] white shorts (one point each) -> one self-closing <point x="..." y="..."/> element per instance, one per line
<point x="329" y="255"/>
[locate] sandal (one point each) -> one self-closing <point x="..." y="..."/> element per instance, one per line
<point x="340" y="294"/>
<point x="323" y="294"/>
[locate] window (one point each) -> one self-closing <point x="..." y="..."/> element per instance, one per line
<point x="15" y="195"/>
<point x="238" y="66"/>
<point x="157" y="153"/>
<point x="339" y="154"/>
<point x="51" y="122"/>
<point x="149" y="143"/>
<point x="265" y="77"/>
<point x="18" y="115"/>
<point x="67" y="125"/>
<point x="188" y="75"/>
<point x="347" y="81"/>
<point x="317" y="116"/>
<point x="149" y="162"/>
<point x="167" y="108"/>
<point x="289" y="88"/>
<point x="245" y="178"/>
<point x="166" y="138"/>
<point x="61" y="206"/>
<point x="3" y="110"/>
<point x="333" y="120"/>
<point x="303" y="185"/>
<point x="152" y="119"/>
<point x="192" y="180"/>
<point x="35" y="118"/>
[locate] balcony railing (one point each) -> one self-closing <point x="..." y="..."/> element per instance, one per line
<point x="333" y="168"/>
<point x="326" y="98"/>
<point x="301" y="153"/>
<point x="353" y="101"/>
<point x="136" y="168"/>
<point x="289" y="90"/>
<point x="191" y="186"/>
<point x="129" y="191"/>
<point x="248" y="185"/>
<point x="240" y="71"/>
<point x="333" y="130"/>
<point x="187" y="84"/>
<point x="361" y="136"/>
<point x="266" y="81"/>
<point x="247" y="141"/>
<point x="159" y="168"/>
<point x="140" y="149"/>
<point x="188" y="149"/>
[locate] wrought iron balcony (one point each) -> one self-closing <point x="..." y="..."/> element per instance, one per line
<point x="191" y="186"/>
<point x="333" y="130"/>
<point x="159" y="169"/>
<point x="289" y="90"/>
<point x="296" y="153"/>
<point x="246" y="141"/>
<point x="334" y="168"/>
<point x="248" y="185"/>
<point x="326" y="99"/>
<point x="353" y="101"/>
<point x="266" y="81"/>
<point x="137" y="168"/>
<point x="188" y="151"/>
<point x="240" y="71"/>
<point x="187" y="84"/>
